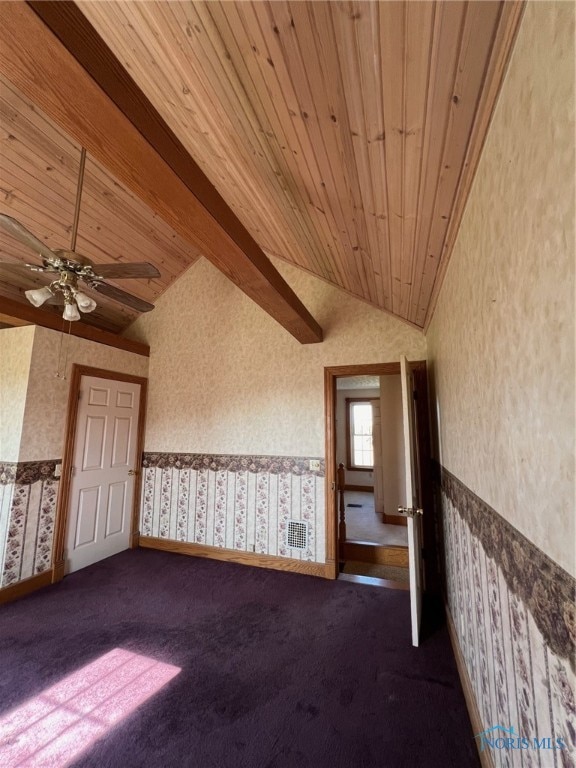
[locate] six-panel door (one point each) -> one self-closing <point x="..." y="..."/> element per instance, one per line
<point x="102" y="483"/>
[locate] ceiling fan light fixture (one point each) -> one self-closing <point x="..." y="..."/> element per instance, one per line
<point x="37" y="296"/>
<point x="85" y="303"/>
<point x="71" y="311"/>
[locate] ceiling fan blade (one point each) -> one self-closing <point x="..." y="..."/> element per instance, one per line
<point x="20" y="232"/>
<point x="124" y="298"/>
<point x="117" y="270"/>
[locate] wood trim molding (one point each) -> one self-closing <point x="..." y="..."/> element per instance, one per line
<point x="27" y="314"/>
<point x="369" y="369"/>
<point x="13" y="322"/>
<point x="478" y="726"/>
<point x="331" y="493"/>
<point x="394" y="519"/>
<point x="58" y="561"/>
<point x="25" y="587"/>
<point x="323" y="570"/>
<point x="51" y="52"/>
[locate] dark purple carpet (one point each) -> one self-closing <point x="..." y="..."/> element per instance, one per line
<point x="278" y="670"/>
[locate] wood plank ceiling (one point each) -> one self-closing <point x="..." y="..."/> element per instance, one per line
<point x="38" y="181"/>
<point x="344" y="135"/>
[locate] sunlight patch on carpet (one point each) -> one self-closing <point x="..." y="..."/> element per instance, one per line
<point x="55" y="727"/>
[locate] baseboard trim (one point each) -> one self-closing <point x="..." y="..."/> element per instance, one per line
<point x="323" y="570"/>
<point x="25" y="587"/>
<point x="365" y="488"/>
<point x="394" y="519"/>
<point x="58" y="571"/>
<point x="478" y="726"/>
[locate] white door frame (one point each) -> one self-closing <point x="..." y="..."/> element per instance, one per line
<point x="58" y="561"/>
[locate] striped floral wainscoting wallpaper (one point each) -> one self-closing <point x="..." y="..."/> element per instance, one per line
<point x="242" y="503"/>
<point x="514" y="613"/>
<point x="28" y="494"/>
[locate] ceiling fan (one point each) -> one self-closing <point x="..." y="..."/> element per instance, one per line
<point x="68" y="268"/>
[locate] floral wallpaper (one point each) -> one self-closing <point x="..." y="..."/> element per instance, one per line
<point x="513" y="609"/>
<point x="501" y="368"/>
<point x="28" y="494"/>
<point x="47" y="397"/>
<point x="236" y="502"/>
<point x="501" y="343"/>
<point x="15" y="354"/>
<point x="33" y="408"/>
<point x="226" y="378"/>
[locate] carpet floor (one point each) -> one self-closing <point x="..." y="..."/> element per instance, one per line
<point x="273" y="670"/>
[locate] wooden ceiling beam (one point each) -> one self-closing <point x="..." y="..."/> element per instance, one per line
<point x="16" y="313"/>
<point x="75" y="79"/>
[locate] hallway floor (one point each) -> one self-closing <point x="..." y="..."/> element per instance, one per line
<point x="364" y="524"/>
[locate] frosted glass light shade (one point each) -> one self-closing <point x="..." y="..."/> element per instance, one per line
<point x="85" y="303"/>
<point x="71" y="312"/>
<point x="38" y="296"/>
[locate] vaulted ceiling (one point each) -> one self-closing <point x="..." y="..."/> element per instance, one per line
<point x="342" y="136"/>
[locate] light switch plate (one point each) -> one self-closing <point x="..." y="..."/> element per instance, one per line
<point x="57" y="470"/>
<point x="314" y="465"/>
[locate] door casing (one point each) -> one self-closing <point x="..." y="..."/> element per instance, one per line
<point x="58" y="562"/>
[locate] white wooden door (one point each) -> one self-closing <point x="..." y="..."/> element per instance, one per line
<point x="104" y="463"/>
<point x="411" y="510"/>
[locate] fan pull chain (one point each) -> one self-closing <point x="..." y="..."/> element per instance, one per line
<point x="60" y="352"/>
<point x="62" y="375"/>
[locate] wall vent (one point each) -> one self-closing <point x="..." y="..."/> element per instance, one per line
<point x="297" y="534"/>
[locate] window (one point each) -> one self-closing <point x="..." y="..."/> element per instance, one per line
<point x="360" y="450"/>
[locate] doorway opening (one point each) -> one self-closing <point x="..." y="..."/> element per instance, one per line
<point x="369" y="445"/>
<point x="365" y="466"/>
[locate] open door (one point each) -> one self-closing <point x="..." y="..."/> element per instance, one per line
<point x="412" y="510"/>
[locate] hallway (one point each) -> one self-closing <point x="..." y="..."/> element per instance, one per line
<point x="364" y="524"/>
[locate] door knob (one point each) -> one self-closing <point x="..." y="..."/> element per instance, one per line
<point x="133" y="472"/>
<point x="410" y="511"/>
